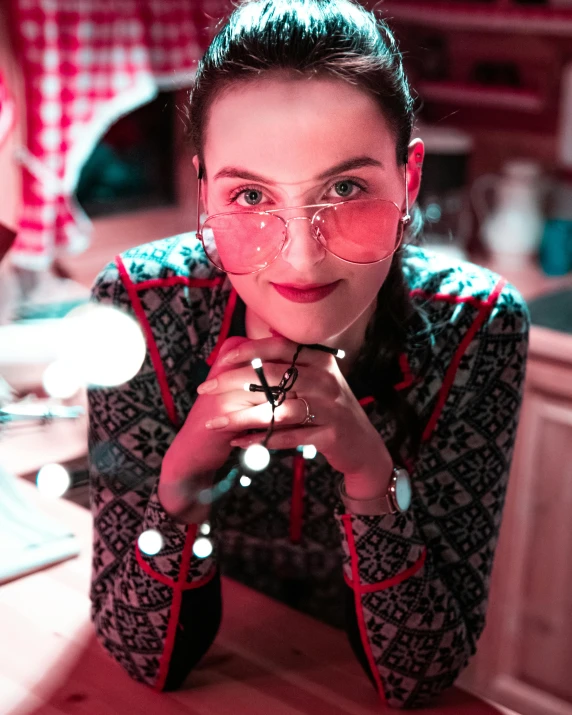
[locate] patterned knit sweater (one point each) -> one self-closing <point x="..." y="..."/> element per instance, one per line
<point x="410" y="589"/>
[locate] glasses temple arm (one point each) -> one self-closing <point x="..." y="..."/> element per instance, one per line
<point x="407" y="216"/>
<point x="199" y="178"/>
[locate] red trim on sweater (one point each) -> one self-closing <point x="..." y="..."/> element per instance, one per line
<point x="393" y="581"/>
<point x="180" y="280"/>
<point x="297" y="505"/>
<point x="447" y="297"/>
<point x="409" y="464"/>
<point x="177" y="599"/>
<point x="408" y="376"/>
<point x="181" y="584"/>
<point x="150" y="339"/>
<point x="201" y="581"/>
<point x="347" y="522"/>
<point x="145" y="566"/>
<point x="484" y="311"/>
<point x="225" y="327"/>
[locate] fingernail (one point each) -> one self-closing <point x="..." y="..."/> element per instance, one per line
<point x="231" y="357"/>
<point x="207" y="386"/>
<point x="217" y="423"/>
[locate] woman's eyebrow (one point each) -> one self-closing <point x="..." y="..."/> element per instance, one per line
<point x="358" y="162"/>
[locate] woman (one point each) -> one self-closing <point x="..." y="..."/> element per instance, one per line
<point x="301" y="109"/>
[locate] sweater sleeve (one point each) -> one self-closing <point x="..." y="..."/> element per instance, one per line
<point x="418" y="582"/>
<point x="156" y="615"/>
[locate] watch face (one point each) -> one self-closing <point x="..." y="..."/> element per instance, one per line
<point x="403" y="490"/>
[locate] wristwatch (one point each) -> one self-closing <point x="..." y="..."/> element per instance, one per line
<point x="396" y="499"/>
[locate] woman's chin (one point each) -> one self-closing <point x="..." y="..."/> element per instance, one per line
<point x="308" y="338"/>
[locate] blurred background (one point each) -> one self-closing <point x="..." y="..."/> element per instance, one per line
<point x="93" y="161"/>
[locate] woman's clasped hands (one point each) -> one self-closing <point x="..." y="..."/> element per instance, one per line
<point x="341" y="430"/>
<point x="224" y="411"/>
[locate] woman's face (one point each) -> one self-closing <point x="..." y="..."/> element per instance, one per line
<point x="289" y="132"/>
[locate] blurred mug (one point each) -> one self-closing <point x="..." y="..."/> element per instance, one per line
<point x="556" y="247"/>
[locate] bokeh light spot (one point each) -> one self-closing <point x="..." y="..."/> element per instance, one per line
<point x="256" y="457"/>
<point x="105" y="343"/>
<point x="53" y="480"/>
<point x="202" y="547"/>
<point x="150" y="542"/>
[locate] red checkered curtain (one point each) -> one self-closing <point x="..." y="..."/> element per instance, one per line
<point x="7" y="110"/>
<point x="85" y="64"/>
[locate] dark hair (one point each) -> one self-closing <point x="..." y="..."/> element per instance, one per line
<point x="341" y="39"/>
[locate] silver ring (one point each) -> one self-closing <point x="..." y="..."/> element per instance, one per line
<point x="309" y="417"/>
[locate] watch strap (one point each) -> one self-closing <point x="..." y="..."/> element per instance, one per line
<point x="377" y="506"/>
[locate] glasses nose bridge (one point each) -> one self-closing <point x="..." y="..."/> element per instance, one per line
<point x="297" y="218"/>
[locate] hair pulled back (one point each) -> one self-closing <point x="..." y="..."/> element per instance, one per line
<point x="343" y="40"/>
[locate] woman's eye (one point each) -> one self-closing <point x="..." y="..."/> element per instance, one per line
<point x="252" y="196"/>
<point x="345" y="187"/>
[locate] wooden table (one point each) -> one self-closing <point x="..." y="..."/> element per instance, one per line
<point x="25" y="447"/>
<point x="267" y="659"/>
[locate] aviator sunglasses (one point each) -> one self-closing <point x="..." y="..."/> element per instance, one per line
<point x="358" y="231"/>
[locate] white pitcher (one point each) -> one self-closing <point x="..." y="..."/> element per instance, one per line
<point x="512" y="228"/>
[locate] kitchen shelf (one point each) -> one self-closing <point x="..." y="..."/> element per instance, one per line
<point x="511" y="98"/>
<point x="483" y="16"/>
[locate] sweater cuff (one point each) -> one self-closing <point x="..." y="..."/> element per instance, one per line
<point x="176" y="560"/>
<point x="383" y="547"/>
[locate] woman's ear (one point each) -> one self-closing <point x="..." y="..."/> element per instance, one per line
<point x="415" y="156"/>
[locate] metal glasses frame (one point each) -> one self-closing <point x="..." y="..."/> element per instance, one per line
<point x="404" y="220"/>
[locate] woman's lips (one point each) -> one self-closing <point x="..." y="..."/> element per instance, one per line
<point x="305" y="296"/>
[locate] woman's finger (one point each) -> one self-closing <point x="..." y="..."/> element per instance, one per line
<point x="291" y="412"/>
<point x="229" y="345"/>
<point x="275" y="349"/>
<point x="237" y="400"/>
<point x="307" y="380"/>
<point x="285" y="439"/>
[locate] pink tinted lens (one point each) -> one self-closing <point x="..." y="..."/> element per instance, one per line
<point x="242" y="243"/>
<point x="362" y="231"/>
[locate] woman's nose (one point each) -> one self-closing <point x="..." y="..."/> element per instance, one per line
<point x="302" y="248"/>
